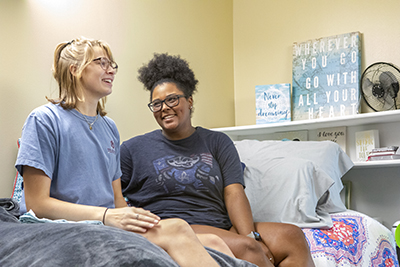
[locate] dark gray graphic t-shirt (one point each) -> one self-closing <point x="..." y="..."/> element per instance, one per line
<point x="181" y="179"/>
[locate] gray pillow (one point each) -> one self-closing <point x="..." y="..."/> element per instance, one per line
<point x="294" y="182"/>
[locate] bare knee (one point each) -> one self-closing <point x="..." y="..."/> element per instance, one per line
<point x="170" y="229"/>
<point x="215" y="242"/>
<point x="293" y="246"/>
<point x="292" y="234"/>
<point x="248" y="247"/>
<point x="210" y="240"/>
<point x="176" y="225"/>
<point x="176" y="228"/>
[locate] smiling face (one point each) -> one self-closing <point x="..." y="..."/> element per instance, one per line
<point x="176" y="121"/>
<point x="96" y="81"/>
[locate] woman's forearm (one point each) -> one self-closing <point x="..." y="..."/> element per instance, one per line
<point x="239" y="209"/>
<point x="37" y="198"/>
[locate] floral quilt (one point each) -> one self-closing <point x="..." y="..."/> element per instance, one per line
<point x="354" y="240"/>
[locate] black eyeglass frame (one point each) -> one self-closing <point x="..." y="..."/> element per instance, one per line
<point x="113" y="64"/>
<point x="161" y="102"/>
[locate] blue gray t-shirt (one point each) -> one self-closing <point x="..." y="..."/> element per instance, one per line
<point x="181" y="179"/>
<point x="80" y="162"/>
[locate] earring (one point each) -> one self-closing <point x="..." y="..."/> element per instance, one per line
<point x="190" y="107"/>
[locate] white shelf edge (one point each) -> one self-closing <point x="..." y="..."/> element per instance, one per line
<point x="358" y="119"/>
<point x="377" y="164"/>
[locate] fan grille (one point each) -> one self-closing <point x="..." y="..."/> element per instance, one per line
<point x="380" y="86"/>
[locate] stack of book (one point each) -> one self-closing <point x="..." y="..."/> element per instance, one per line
<point x="384" y="153"/>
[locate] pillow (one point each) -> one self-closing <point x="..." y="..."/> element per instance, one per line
<point x="287" y="190"/>
<point x="306" y="175"/>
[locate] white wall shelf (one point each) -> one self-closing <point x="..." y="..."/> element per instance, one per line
<point x="377" y="164"/>
<point x="359" y="119"/>
<point x="383" y="119"/>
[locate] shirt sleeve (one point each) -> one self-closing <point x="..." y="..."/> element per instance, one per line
<point x="38" y="143"/>
<point x="228" y="159"/>
<point x="126" y="165"/>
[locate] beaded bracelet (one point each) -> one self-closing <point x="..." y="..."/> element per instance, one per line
<point x="104" y="216"/>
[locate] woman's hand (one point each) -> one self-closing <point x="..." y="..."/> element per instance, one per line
<point x="131" y="219"/>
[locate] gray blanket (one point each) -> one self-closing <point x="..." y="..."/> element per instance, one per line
<point x="52" y="244"/>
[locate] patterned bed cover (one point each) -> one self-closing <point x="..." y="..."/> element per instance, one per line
<point x="354" y="240"/>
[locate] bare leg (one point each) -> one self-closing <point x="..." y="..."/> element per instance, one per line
<point x="177" y="238"/>
<point x="243" y="247"/>
<point x="215" y="242"/>
<point x="286" y="243"/>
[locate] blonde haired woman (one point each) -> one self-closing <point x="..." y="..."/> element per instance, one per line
<point x="69" y="156"/>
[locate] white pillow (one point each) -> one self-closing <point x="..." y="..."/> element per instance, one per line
<point x="294" y="182"/>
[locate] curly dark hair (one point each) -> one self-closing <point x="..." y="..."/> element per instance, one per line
<point x="166" y="68"/>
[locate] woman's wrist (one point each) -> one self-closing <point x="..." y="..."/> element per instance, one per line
<point x="255" y="235"/>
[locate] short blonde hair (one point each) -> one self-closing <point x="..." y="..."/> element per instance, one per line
<point x="78" y="53"/>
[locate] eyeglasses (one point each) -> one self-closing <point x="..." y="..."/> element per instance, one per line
<point x="105" y="63"/>
<point x="171" y="101"/>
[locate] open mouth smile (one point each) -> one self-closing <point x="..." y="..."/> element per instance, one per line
<point x="168" y="116"/>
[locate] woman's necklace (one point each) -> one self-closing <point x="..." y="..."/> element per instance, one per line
<point x="89" y="123"/>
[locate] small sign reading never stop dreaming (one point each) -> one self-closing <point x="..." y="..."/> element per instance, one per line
<point x="273" y="103"/>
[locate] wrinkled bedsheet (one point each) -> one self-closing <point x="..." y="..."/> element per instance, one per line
<point x="75" y="244"/>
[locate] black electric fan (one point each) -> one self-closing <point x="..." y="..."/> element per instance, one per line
<point x="380" y="86"/>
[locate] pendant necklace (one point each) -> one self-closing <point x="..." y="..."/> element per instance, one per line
<point x="89" y="123"/>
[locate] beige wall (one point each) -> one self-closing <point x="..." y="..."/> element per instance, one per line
<point x="264" y="32"/>
<point x="238" y="43"/>
<point x="200" y="31"/>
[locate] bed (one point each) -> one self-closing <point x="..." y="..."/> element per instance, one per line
<point x="290" y="182"/>
<point x="300" y="183"/>
<point x="43" y="242"/>
<point x="80" y="244"/>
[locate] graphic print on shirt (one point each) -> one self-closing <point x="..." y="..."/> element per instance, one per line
<point x="180" y="173"/>
<point x="112" y="149"/>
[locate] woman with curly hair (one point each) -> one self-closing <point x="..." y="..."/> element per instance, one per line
<point x="195" y="174"/>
